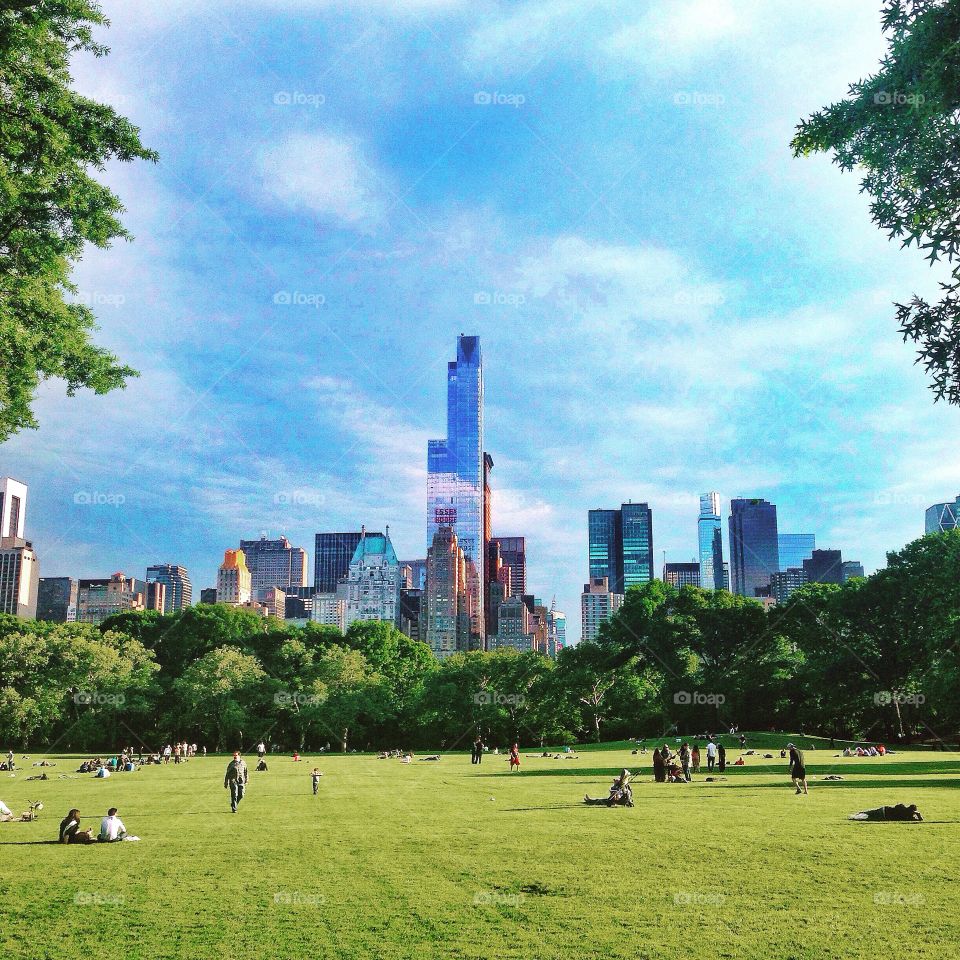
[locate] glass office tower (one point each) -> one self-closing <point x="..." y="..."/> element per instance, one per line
<point x="606" y="548"/>
<point x="455" y="473"/>
<point x="754" y="553"/>
<point x="710" y="540"/>
<point x="794" y="548"/>
<point x="637" y="534"/>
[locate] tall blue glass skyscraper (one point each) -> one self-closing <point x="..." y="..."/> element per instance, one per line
<point x="621" y="545"/>
<point x="754" y="553"/>
<point x="637" y="526"/>
<point x="794" y="548"/>
<point x="455" y="472"/>
<point x="606" y="547"/>
<point x="710" y="540"/>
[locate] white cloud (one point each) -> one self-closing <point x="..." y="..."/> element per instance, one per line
<point x="321" y="174"/>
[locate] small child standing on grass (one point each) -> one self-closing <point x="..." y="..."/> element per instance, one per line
<point x="315" y="777"/>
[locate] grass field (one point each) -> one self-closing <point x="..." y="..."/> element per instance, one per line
<point x="444" y="859"/>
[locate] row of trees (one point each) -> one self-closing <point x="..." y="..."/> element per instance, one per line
<point x="876" y="657"/>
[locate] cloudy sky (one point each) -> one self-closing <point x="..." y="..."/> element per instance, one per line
<point x="668" y="302"/>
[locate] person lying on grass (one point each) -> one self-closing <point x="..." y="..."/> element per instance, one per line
<point x="621" y="793"/>
<point x="900" y="812"/>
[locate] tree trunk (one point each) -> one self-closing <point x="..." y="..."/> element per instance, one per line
<point x="896" y="706"/>
<point x="344" y="741"/>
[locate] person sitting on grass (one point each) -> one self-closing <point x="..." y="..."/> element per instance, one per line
<point x="111" y="828"/>
<point x="70" y="831"/>
<point x="262" y="765"/>
<point x="621" y="793"/>
<point x="6" y="814"/>
<point x="900" y="812"/>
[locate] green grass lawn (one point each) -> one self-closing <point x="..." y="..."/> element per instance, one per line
<point x="446" y="859"/>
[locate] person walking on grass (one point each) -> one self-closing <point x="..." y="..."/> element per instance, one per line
<point x="515" y="758"/>
<point x="315" y="777"/>
<point x="685" y="758"/>
<point x="236" y="780"/>
<point x="798" y="769"/>
<point x="711" y="755"/>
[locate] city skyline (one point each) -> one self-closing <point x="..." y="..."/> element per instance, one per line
<point x="656" y="321"/>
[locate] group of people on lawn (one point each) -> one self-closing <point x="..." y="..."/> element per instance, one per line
<point x="112" y="829"/>
<point x="670" y="767"/>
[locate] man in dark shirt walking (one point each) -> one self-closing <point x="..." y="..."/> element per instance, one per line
<point x="236" y="779"/>
<point x="798" y="769"/>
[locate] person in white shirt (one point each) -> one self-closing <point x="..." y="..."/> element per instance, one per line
<point x="111" y="827"/>
<point x="711" y="755"/>
<point x="5" y="812"/>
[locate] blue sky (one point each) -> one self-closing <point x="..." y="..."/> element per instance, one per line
<point x="668" y="302"/>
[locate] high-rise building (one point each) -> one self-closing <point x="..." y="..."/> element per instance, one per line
<point x="942" y="517"/>
<point x="621" y="545"/>
<point x="274" y="563"/>
<point x="754" y="554"/>
<point x="57" y="599"/>
<point x="416" y="578"/>
<point x="274" y="601"/>
<point x="233" y="579"/>
<point x="513" y="556"/>
<point x="298" y="602"/>
<point x="597" y="605"/>
<point x="637" y="519"/>
<point x="784" y="582"/>
<point x="447" y="602"/>
<point x="515" y="627"/>
<point x="411" y="612"/>
<point x="331" y="560"/>
<point x="99" y="599"/>
<point x="710" y="541"/>
<point x="208" y="595"/>
<point x="328" y="609"/>
<point x="557" y="622"/>
<point x="19" y="577"/>
<point x="19" y="566"/>
<point x="179" y="590"/>
<point x="682" y="574"/>
<point x="794" y="548"/>
<point x="824" y="566"/>
<point x="455" y="473"/>
<point x="13" y="507"/>
<point x="371" y="588"/>
<point x="851" y="569"/>
<point x="605" y="533"/>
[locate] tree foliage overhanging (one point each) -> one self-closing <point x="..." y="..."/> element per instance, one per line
<point x="52" y="142"/>
<point x="877" y="657"/>
<point x="900" y="128"/>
